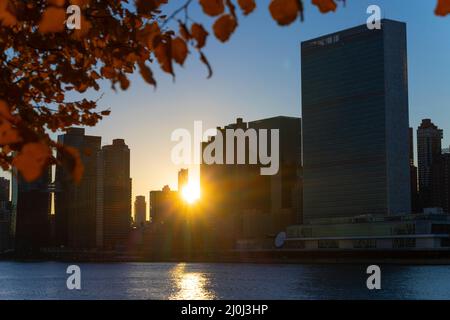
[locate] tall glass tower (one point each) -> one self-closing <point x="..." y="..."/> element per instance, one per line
<point x="356" y="123"/>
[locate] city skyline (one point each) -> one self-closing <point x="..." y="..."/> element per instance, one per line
<point x="273" y="64"/>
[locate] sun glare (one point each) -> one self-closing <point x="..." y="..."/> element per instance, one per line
<point x="191" y="192"/>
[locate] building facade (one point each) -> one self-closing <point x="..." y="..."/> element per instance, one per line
<point x="116" y="195"/>
<point x="5" y="215"/>
<point x="140" y="207"/>
<point x="355" y="123"/>
<point x="429" y="149"/>
<point x="241" y="202"/>
<point x="31" y="204"/>
<point x="183" y="179"/>
<point x="76" y="205"/>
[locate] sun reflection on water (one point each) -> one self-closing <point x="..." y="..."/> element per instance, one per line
<point x="189" y="285"/>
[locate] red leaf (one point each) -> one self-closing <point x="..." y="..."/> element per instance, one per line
<point x="224" y="27"/>
<point x="179" y="50"/>
<point x="442" y="8"/>
<point x="284" y="11"/>
<point x="31" y="160"/>
<point x="325" y="5"/>
<point x="212" y="7"/>
<point x="200" y="34"/>
<point x="247" y="6"/>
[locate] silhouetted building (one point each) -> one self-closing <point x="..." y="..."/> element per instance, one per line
<point x="415" y="207"/>
<point x="4" y="189"/>
<point x="31" y="203"/>
<point x="183" y="179"/>
<point x="78" y="212"/>
<point x="429" y="149"/>
<point x="5" y="215"/>
<point x="168" y="226"/>
<point x="241" y="202"/>
<point x="441" y="182"/>
<point x="140" y="206"/>
<point x="164" y="204"/>
<point x="355" y="123"/>
<point x="116" y="193"/>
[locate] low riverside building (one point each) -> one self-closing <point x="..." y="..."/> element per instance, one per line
<point x="410" y="232"/>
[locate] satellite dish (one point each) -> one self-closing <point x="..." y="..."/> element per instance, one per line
<point x="280" y="239"/>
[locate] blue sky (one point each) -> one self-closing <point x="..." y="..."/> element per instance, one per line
<point x="257" y="75"/>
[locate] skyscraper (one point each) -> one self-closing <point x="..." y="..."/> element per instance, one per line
<point x="116" y="195"/>
<point x="140" y="207"/>
<point x="355" y="123"/>
<point x="244" y="203"/>
<point x="164" y="205"/>
<point x="31" y="204"/>
<point x="183" y="179"/>
<point x="5" y="215"/>
<point x="413" y="174"/>
<point x="429" y="149"/>
<point x="4" y="189"/>
<point x="76" y="205"/>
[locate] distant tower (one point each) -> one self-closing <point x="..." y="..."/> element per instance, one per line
<point x="429" y="144"/>
<point x="4" y="189"/>
<point x="413" y="173"/>
<point x="76" y="205"/>
<point x="355" y="123"/>
<point x="5" y="215"/>
<point x="31" y="204"/>
<point x="116" y="193"/>
<point x="183" y="179"/>
<point x="139" y="211"/>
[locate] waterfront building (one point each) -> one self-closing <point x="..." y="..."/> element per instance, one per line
<point x="355" y="123"/>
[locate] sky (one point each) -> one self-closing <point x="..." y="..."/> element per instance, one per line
<point x="257" y="75"/>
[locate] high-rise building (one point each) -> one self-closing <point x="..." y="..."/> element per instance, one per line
<point x="413" y="174"/>
<point x="440" y="189"/>
<point x="76" y="204"/>
<point x="4" y="189"/>
<point x="429" y="149"/>
<point x="5" y="215"/>
<point x="243" y="202"/>
<point x="116" y="195"/>
<point x="31" y="202"/>
<point x="355" y="123"/>
<point x="140" y="207"/>
<point x="183" y="179"/>
<point x="164" y="205"/>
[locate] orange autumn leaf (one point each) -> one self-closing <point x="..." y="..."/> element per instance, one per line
<point x="75" y="164"/>
<point x="200" y="34"/>
<point x="80" y="3"/>
<point x="146" y="74"/>
<point x="8" y="134"/>
<point x="5" y="113"/>
<point x="52" y="20"/>
<point x="443" y="8"/>
<point x="224" y="27"/>
<point x="247" y="6"/>
<point x="179" y="50"/>
<point x="58" y="3"/>
<point x="32" y="160"/>
<point x="284" y="12"/>
<point x="7" y="18"/>
<point x="213" y="7"/>
<point x="163" y="54"/>
<point x="325" y="5"/>
<point x="85" y="26"/>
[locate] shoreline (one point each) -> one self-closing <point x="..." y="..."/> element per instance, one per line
<point x="393" y="257"/>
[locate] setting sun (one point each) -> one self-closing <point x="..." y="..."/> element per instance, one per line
<point x="191" y="192"/>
